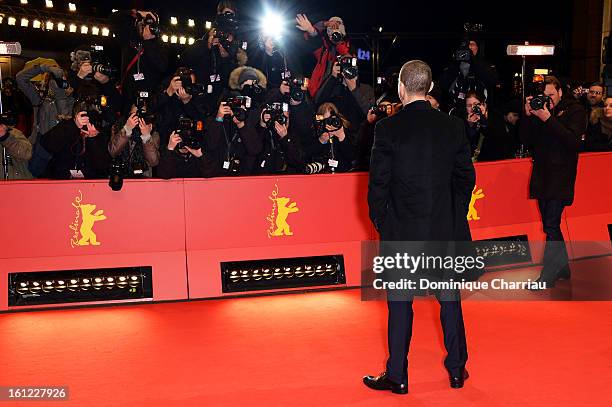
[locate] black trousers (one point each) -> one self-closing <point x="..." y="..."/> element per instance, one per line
<point x="555" y="251"/>
<point x="400" y="333"/>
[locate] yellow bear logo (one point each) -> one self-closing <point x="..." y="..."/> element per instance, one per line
<point x="472" y="212"/>
<point x="84" y="220"/>
<point x="282" y="227"/>
<point x="88" y="237"/>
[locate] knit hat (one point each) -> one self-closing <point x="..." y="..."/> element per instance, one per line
<point x="247" y="74"/>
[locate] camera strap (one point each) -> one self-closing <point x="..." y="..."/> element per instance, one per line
<point x="131" y="65"/>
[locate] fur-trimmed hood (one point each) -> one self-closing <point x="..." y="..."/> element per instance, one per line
<point x="233" y="79"/>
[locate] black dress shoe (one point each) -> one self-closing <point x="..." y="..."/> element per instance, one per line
<point x="383" y="382"/>
<point x="457" y="382"/>
<point x="565" y="273"/>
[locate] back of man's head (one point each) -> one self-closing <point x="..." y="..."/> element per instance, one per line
<point x="416" y="77"/>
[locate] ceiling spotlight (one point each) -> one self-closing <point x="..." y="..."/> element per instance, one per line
<point x="191" y="23"/>
<point x="165" y="38"/>
<point x="71" y="6"/>
<point x="61" y="26"/>
<point x="105" y="32"/>
<point x="25" y="22"/>
<point x="84" y="29"/>
<point x="183" y="40"/>
<point x="23" y="1"/>
<point x="95" y="30"/>
<point x="173" y="20"/>
<point x="49" y="3"/>
<point x="191" y="41"/>
<point x="208" y="25"/>
<point x="73" y="28"/>
<point x="36" y="24"/>
<point x="173" y="39"/>
<point x="12" y="21"/>
<point x="49" y="25"/>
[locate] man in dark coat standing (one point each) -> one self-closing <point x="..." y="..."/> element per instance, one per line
<point x="553" y="132"/>
<point x="421" y="180"/>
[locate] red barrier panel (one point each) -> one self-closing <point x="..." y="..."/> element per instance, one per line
<point x="193" y="225"/>
<point x="85" y="225"/>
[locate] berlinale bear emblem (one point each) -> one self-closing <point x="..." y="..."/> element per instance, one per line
<point x="472" y="212"/>
<point x="281" y="209"/>
<point x="87" y="218"/>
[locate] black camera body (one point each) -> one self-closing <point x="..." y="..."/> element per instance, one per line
<point x="348" y="66"/>
<point x="238" y="104"/>
<point x="539" y="101"/>
<point x="61" y="83"/>
<point x="151" y="22"/>
<point x="188" y="131"/>
<point x="277" y="113"/>
<point x="296" y="89"/>
<point x="332" y="121"/>
<point x="476" y="109"/>
<point x="382" y="111"/>
<point x="336" y="36"/>
<point x="463" y="53"/>
<point x="99" y="62"/>
<point x="227" y="25"/>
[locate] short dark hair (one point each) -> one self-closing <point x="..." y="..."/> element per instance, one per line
<point x="416" y="77"/>
<point x="223" y="4"/>
<point x="552" y="80"/>
<point x="599" y="84"/>
<point x="476" y="95"/>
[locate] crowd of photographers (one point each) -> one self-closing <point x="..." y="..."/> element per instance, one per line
<point x="233" y="108"/>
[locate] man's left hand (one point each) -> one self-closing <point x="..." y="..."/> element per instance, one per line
<point x="351" y="83"/>
<point x="542" y="114"/>
<point x="103" y="79"/>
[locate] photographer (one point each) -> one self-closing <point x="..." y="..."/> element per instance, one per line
<point x="176" y="101"/>
<point x="18" y="151"/>
<point x="275" y="63"/>
<point x="331" y="148"/>
<point x="281" y="151"/>
<point x="51" y="102"/>
<point x="136" y="144"/>
<point x="599" y="132"/>
<point x="90" y="79"/>
<point x="184" y="157"/>
<point x="343" y="89"/>
<point x="553" y="128"/>
<point x="217" y="54"/>
<point x="327" y="40"/>
<point x="468" y="72"/>
<point x="486" y="131"/>
<point x="365" y="137"/>
<point x="78" y="149"/>
<point x="143" y="61"/>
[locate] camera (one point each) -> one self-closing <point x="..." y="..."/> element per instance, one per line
<point x="539" y="101"/>
<point x="336" y="36"/>
<point x="194" y="89"/>
<point x="382" y="111"/>
<point x="188" y="131"/>
<point x="348" y="66"/>
<point x="61" y="83"/>
<point x="476" y="109"/>
<point x="117" y="171"/>
<point x="238" y="104"/>
<point x="332" y="121"/>
<point x="141" y="113"/>
<point x="226" y="25"/>
<point x="99" y="62"/>
<point x="277" y="113"/>
<point x="296" y="89"/>
<point x="314" y="168"/>
<point x="463" y="53"/>
<point x="151" y="22"/>
<point x="8" y="119"/>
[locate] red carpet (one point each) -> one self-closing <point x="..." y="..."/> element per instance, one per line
<point x="306" y="350"/>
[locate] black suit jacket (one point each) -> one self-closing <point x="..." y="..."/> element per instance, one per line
<point x="421" y="176"/>
<point x="555" y="145"/>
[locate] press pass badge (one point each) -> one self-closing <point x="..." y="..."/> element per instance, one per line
<point x="333" y="163"/>
<point x="139" y="77"/>
<point x="209" y="89"/>
<point x="286" y="75"/>
<point x="76" y="174"/>
<point x="226" y="165"/>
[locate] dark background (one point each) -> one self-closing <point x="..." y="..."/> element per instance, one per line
<point x="430" y="30"/>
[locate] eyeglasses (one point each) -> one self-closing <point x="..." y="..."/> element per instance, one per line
<point x="595" y="92"/>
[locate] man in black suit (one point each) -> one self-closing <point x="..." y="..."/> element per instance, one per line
<point x="553" y="131"/>
<point x="421" y="180"/>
